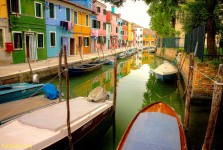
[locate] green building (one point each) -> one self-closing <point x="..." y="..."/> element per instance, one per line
<point x="27" y="25"/>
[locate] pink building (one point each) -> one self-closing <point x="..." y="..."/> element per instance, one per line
<point x="101" y="17"/>
<point x="113" y="19"/>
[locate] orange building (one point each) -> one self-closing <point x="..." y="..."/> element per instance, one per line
<point x="149" y="37"/>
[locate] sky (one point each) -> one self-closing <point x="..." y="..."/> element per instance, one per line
<point x="134" y="12"/>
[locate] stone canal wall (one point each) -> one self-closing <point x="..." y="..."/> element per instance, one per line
<point x="202" y="87"/>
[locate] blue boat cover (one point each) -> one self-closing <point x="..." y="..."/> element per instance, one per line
<point x="50" y="91"/>
<point x="153" y="131"/>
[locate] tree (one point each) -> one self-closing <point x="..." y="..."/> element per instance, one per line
<point x="203" y="12"/>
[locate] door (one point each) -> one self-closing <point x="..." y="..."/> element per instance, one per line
<point x="31" y="48"/>
<point x="72" y="46"/>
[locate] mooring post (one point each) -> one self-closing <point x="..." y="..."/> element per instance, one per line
<point x="189" y="90"/>
<point x="59" y="74"/>
<point x="115" y="84"/>
<point x="215" y="106"/>
<point x="67" y="100"/>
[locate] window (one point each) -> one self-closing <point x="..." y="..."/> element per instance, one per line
<point x="94" y="23"/>
<point x="109" y="29"/>
<point x="68" y="14"/>
<point x="140" y="35"/>
<point x="104" y="12"/>
<point x="86" y="41"/>
<point x="75" y="17"/>
<point x="15" y="6"/>
<point x="51" y="10"/>
<point x="104" y="26"/>
<point x="79" y="41"/>
<point x="87" y="20"/>
<point x="1" y="38"/>
<point x="90" y="6"/>
<point x="40" y="40"/>
<point x="140" y="29"/>
<point x="38" y="10"/>
<point x="98" y="9"/>
<point x="17" y="40"/>
<point x="116" y="29"/>
<point x="99" y="24"/>
<point x="52" y="39"/>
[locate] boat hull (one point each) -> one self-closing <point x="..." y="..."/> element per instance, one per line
<point x="143" y="140"/>
<point x="166" y="77"/>
<point x="20" y="91"/>
<point x="83" y="69"/>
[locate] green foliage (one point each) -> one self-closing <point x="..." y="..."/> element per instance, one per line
<point x="163" y="16"/>
<point x="216" y="62"/>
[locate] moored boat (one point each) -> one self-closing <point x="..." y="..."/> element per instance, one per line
<point x="11" y="92"/>
<point x="83" y="69"/>
<point x="166" y="71"/>
<point x="152" y="49"/>
<point x="156" y="126"/>
<point x="46" y="127"/>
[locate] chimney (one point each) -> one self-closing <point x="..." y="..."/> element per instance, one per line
<point x="113" y="9"/>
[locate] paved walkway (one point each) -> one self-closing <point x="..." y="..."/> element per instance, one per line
<point x="16" y="69"/>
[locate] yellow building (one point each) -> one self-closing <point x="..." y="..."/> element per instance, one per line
<point x="5" y="35"/>
<point x="82" y="29"/>
<point x="130" y="34"/>
<point x="149" y="37"/>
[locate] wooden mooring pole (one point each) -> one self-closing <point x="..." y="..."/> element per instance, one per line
<point x="67" y="100"/>
<point x="215" y="106"/>
<point x="115" y="84"/>
<point x="189" y="90"/>
<point x="59" y="74"/>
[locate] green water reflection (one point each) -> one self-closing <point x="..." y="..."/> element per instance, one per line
<point x="137" y="87"/>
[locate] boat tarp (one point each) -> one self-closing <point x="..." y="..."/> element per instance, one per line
<point x="54" y="117"/>
<point x="154" y="131"/>
<point x="50" y="91"/>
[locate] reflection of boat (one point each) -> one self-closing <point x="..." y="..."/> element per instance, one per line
<point x="166" y="71"/>
<point x="11" y="92"/>
<point x="83" y="69"/>
<point x="157" y="126"/>
<point x="47" y="127"/>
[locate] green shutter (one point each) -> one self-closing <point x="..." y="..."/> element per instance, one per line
<point x="40" y="40"/>
<point x="68" y="14"/>
<point x="38" y="10"/>
<point x="1" y="38"/>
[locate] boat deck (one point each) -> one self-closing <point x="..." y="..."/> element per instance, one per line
<point x="46" y="126"/>
<point x="14" y="108"/>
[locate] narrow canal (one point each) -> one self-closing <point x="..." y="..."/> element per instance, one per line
<point x="137" y="87"/>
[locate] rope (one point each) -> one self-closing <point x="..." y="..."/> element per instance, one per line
<point x="217" y="83"/>
<point x="25" y="100"/>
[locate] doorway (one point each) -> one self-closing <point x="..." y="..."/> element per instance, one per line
<point x="31" y="47"/>
<point x="72" y="46"/>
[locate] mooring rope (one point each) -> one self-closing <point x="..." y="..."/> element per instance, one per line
<point x="25" y="100"/>
<point x="217" y="83"/>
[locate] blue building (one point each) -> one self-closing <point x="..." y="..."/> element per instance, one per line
<point x="59" y="27"/>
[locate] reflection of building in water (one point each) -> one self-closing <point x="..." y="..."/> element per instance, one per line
<point x="104" y="79"/>
<point x="138" y="61"/>
<point x="147" y="57"/>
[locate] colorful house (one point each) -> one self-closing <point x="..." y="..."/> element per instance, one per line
<point x="82" y="29"/>
<point x="113" y="19"/>
<point x="59" y="28"/>
<point x="149" y="37"/>
<point x="108" y="32"/>
<point x="5" y="35"/>
<point x="101" y="17"/>
<point x="125" y="31"/>
<point x="139" y="34"/>
<point x="120" y="32"/>
<point x="28" y="30"/>
<point x="130" y="35"/>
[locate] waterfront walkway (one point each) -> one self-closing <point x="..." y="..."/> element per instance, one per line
<point x="8" y="73"/>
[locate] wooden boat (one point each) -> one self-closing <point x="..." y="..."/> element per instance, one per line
<point x="83" y="69"/>
<point x="152" y="49"/>
<point x="47" y="127"/>
<point x="157" y="126"/>
<point x="166" y="71"/>
<point x="11" y="92"/>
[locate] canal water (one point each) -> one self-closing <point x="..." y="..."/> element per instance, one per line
<point x="137" y="87"/>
